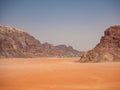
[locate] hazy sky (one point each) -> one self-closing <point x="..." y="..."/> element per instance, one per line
<point x="79" y="23"/>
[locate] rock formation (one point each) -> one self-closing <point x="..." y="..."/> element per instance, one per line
<point x="16" y="43"/>
<point x="108" y="50"/>
<point x="60" y="51"/>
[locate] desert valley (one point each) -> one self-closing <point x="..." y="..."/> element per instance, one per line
<point x="26" y="64"/>
<point x="59" y="44"/>
<point x="57" y="74"/>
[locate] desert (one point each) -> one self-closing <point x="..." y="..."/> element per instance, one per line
<point x="59" y="44"/>
<point x="57" y="74"/>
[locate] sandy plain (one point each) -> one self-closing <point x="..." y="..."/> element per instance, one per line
<point x="58" y="74"/>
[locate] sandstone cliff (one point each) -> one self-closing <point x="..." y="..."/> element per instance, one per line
<point x="107" y="50"/>
<point x="16" y="43"/>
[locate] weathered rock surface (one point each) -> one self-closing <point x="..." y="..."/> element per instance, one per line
<point x="108" y="50"/>
<point x="16" y="43"/>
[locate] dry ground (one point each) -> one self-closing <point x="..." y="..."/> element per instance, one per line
<point x="58" y="74"/>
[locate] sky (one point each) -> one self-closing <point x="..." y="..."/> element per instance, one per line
<point x="78" y="23"/>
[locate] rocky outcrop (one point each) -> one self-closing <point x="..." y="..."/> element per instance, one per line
<point x="108" y="50"/>
<point x="16" y="43"/>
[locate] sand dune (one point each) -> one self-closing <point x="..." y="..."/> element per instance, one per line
<point x="58" y="74"/>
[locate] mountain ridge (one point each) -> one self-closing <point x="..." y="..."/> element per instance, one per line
<point x="16" y="43"/>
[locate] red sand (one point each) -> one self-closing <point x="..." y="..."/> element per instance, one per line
<point x="58" y="74"/>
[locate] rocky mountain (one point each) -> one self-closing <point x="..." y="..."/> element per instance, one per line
<point x="108" y="50"/>
<point x="16" y="43"/>
<point x="60" y="51"/>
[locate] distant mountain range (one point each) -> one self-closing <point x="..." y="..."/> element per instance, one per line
<point x="108" y="50"/>
<point x="15" y="43"/>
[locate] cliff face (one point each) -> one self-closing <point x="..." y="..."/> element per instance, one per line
<point x="107" y="50"/>
<point x="15" y="43"/>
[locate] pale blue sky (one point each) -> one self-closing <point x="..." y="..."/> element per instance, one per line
<point x="79" y="23"/>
